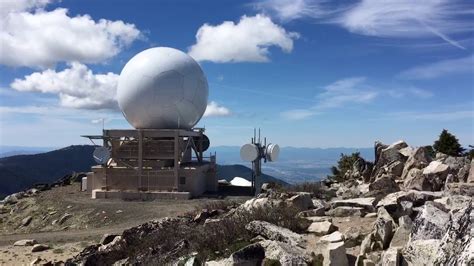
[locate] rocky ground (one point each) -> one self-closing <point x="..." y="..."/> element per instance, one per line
<point x="68" y="220"/>
<point x="404" y="209"/>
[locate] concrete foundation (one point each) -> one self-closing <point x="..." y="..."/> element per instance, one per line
<point x="136" y="195"/>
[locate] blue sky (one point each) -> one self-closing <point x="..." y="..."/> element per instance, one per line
<point x="310" y="73"/>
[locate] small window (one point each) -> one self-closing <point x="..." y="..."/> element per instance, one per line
<point x="182" y="180"/>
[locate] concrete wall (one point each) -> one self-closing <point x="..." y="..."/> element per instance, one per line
<point x="197" y="179"/>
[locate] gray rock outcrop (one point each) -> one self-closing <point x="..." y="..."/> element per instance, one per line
<point x="302" y="201"/>
<point x="366" y="203"/>
<point x="421" y="252"/>
<point x="322" y="228"/>
<point x="457" y="245"/>
<point x="274" y="232"/>
<point x="430" y="223"/>
<point x="419" y="159"/>
<point x="436" y="173"/>
<point x="25" y="242"/>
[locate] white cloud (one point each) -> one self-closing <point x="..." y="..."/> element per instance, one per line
<point x="43" y="38"/>
<point x="345" y="91"/>
<point x="249" y="40"/>
<point x="392" y="19"/>
<point x="214" y="109"/>
<point x="76" y="86"/>
<point x="9" y="6"/>
<point x="341" y="93"/>
<point x="440" y="68"/>
<point x="435" y="115"/>
<point x="287" y="10"/>
<point x="410" y="92"/>
<point x="408" y="19"/>
<point x="298" y="114"/>
<point x="420" y="93"/>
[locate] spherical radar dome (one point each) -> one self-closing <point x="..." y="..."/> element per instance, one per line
<point x="162" y="88"/>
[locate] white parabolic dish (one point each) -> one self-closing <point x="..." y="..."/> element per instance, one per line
<point x="162" y="88"/>
<point x="273" y="151"/>
<point x="249" y="152"/>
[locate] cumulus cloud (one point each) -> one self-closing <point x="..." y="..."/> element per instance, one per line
<point x="214" y="109"/>
<point x="40" y="38"/>
<point x="247" y="41"/>
<point x="440" y="68"/>
<point x="9" y="6"/>
<point x="76" y="86"/>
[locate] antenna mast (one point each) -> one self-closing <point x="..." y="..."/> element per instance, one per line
<point x="255" y="151"/>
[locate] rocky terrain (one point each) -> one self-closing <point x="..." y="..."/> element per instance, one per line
<point x="404" y="209"/>
<point x="67" y="220"/>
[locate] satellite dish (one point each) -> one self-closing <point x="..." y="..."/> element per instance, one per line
<point x="273" y="151"/>
<point x="205" y="143"/>
<point x="249" y="152"/>
<point x="101" y="155"/>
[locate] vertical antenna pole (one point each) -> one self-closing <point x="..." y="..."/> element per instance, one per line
<point x="255" y="134"/>
<point x="258" y="135"/>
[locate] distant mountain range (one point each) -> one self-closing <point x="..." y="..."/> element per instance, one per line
<point x="22" y="171"/>
<point x="295" y="165"/>
<point x="6" y="151"/>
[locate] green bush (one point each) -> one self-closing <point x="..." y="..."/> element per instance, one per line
<point x="344" y="164"/>
<point x="448" y="144"/>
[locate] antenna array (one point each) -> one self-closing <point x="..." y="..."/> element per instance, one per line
<point x="255" y="152"/>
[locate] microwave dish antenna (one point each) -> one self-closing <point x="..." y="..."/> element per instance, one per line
<point x="249" y="152"/>
<point x="101" y="155"/>
<point x="255" y="152"/>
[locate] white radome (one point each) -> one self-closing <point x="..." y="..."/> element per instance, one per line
<point x="162" y="88"/>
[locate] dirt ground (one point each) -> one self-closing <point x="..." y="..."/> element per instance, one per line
<point x="89" y="221"/>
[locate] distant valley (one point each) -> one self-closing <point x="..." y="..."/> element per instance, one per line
<point x="295" y="164"/>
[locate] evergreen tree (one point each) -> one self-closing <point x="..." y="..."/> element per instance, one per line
<point x="344" y="164"/>
<point x="448" y="144"/>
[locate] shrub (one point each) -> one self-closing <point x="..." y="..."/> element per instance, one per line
<point x="448" y="144"/>
<point x="344" y="164"/>
<point x="431" y="152"/>
<point x="178" y="239"/>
